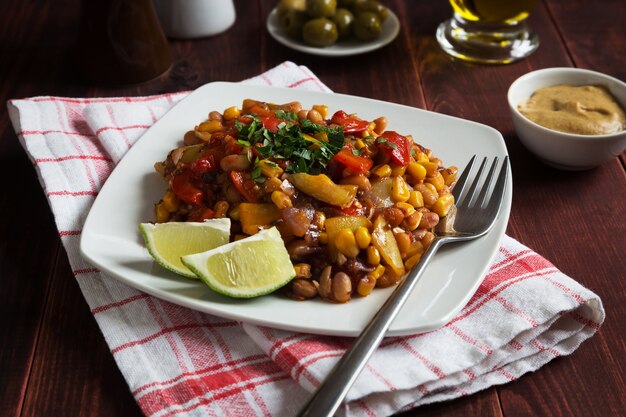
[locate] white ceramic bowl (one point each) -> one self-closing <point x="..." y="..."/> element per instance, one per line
<point x="565" y="150"/>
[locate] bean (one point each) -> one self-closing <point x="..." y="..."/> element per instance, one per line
<point x="380" y="125"/>
<point x="302" y="114"/>
<point x="235" y="163"/>
<point x="315" y="117"/>
<point x="429" y="220"/>
<point x="215" y="115"/>
<point x="393" y="215"/>
<point x="303" y="289"/>
<point x="325" y="289"/>
<point x="428" y="239"/>
<point x="428" y="196"/>
<point x="221" y="208"/>
<point x="232" y="195"/>
<point x="360" y="181"/>
<point x="202" y="136"/>
<point x="299" y="249"/>
<point x="341" y="287"/>
<point x="293" y="107"/>
<point x="190" y="138"/>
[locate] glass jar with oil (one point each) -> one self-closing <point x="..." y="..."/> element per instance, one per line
<point x="488" y="31"/>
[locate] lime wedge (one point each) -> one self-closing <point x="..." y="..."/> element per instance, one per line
<point x="246" y="268"/>
<point x="167" y="242"/>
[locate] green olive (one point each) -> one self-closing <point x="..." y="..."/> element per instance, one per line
<point x="284" y="6"/>
<point x="366" y="26"/>
<point x="343" y="18"/>
<point x="292" y="22"/>
<point x="321" y="8"/>
<point x="347" y="3"/>
<point x="320" y="32"/>
<point x="371" y="6"/>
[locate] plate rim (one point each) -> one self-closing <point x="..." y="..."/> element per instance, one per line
<point x="335" y="50"/>
<point x="197" y="304"/>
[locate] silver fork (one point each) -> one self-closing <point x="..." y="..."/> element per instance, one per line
<point x="476" y="212"/>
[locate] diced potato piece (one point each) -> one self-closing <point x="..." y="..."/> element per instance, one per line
<point x="384" y="240"/>
<point x="255" y="216"/>
<point x="324" y="189"/>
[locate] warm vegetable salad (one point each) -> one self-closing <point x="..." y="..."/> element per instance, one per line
<point x="355" y="203"/>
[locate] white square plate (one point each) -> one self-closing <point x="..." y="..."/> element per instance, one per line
<point x="111" y="241"/>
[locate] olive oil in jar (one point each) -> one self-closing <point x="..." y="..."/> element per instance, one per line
<point x="493" y="11"/>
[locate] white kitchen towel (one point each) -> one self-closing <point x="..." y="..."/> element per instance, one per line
<point x="181" y="362"/>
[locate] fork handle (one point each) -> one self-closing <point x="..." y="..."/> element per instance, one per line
<point x="335" y="387"/>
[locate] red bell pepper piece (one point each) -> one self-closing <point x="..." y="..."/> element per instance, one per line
<point x="184" y="189"/>
<point x="200" y="214"/>
<point x="245" y="186"/>
<point x="271" y="123"/>
<point x="356" y="164"/>
<point x="353" y="210"/>
<point x="396" y="146"/>
<point x="351" y="124"/>
<point x="204" y="164"/>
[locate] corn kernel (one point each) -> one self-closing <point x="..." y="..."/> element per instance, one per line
<point x="232" y="113"/>
<point x="302" y="270"/>
<point x="436" y="180"/>
<point x="404" y="242"/>
<point x="431" y="168"/>
<point x="321" y="109"/>
<point x="422" y="157"/>
<point x="272" y="184"/>
<point x="221" y="208"/>
<point x="373" y="256"/>
<point x="210" y="126"/>
<point x="416" y="199"/>
<point x="281" y="200"/>
<point x="399" y="189"/>
<point x="416" y="170"/>
<point x="449" y="175"/>
<point x="269" y="169"/>
<point x="234" y="213"/>
<point x="412" y="261"/>
<point x="406" y="208"/>
<point x="171" y="202"/>
<point x="366" y="285"/>
<point x="323" y="238"/>
<point x="397" y="170"/>
<point x="378" y="272"/>
<point x="345" y="242"/>
<point x="443" y="204"/>
<point x="321" y="136"/>
<point x="363" y="237"/>
<point x="382" y="170"/>
<point x="432" y="188"/>
<point x="162" y="214"/>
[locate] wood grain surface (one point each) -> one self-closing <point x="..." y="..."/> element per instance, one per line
<point x="53" y="358"/>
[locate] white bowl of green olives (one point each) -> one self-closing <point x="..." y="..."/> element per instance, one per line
<point x="333" y="27"/>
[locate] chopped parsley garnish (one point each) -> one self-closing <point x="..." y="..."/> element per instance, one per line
<point x="289" y="143"/>
<point x="384" y="141"/>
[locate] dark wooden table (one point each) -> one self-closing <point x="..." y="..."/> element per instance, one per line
<point x="53" y="358"/>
